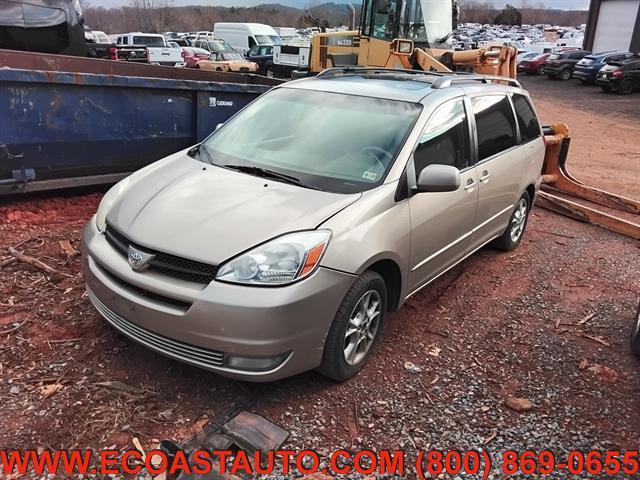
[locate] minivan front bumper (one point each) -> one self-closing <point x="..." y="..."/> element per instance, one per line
<point x="249" y="333"/>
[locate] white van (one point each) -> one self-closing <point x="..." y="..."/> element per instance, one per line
<point x="243" y="36"/>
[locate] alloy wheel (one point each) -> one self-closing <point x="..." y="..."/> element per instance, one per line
<point x="518" y="220"/>
<point x="362" y="327"/>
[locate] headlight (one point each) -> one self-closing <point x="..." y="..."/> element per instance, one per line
<point x="278" y="262"/>
<point x="108" y="200"/>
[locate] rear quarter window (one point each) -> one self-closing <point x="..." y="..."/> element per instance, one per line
<point x="527" y="120"/>
<point x="495" y="125"/>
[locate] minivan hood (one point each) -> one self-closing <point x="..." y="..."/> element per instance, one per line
<point x="210" y="214"/>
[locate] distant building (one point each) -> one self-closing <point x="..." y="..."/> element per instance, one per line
<point x="613" y="25"/>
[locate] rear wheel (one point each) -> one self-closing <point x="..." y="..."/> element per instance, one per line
<point x="626" y="86"/>
<point x="635" y="334"/>
<point x="269" y="73"/>
<point x="540" y="70"/>
<point x="356" y="328"/>
<point x="512" y="236"/>
<point x="565" y="75"/>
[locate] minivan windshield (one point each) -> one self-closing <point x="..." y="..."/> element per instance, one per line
<point x="327" y="141"/>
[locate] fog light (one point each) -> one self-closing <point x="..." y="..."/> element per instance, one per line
<point x="255" y="364"/>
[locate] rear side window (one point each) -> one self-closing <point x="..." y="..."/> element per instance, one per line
<point x="527" y="121"/>
<point x="495" y="125"/>
<point x="445" y="140"/>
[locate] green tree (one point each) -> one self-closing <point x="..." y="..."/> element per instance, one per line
<point x="509" y="15"/>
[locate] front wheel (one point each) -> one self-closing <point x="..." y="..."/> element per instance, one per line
<point x="565" y="75"/>
<point x="635" y="334"/>
<point x="512" y="236"/>
<point x="540" y="70"/>
<point x="269" y="72"/>
<point x="356" y="328"/>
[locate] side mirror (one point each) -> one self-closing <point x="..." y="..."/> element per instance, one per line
<point x="438" y="178"/>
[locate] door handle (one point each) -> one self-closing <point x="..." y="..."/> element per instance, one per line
<point x="485" y="177"/>
<point x="470" y="184"/>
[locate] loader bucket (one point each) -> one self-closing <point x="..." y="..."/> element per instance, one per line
<point x="564" y="194"/>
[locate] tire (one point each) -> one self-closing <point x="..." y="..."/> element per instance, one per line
<point x="540" y="70"/>
<point x="626" y="86"/>
<point x="269" y="73"/>
<point x="565" y="75"/>
<point x="511" y="237"/>
<point x="635" y="334"/>
<point x="605" y="88"/>
<point x="334" y="359"/>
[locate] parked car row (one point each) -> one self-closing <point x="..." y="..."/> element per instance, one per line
<point x="612" y="71"/>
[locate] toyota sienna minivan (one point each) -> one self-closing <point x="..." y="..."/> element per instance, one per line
<point x="280" y="243"/>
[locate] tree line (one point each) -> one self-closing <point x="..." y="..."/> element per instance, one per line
<point x="156" y="16"/>
<point x="524" y="11"/>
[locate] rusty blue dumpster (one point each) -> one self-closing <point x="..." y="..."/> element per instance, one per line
<point x="60" y="129"/>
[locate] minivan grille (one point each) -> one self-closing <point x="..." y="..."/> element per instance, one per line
<point x="173" y="348"/>
<point x="163" y="263"/>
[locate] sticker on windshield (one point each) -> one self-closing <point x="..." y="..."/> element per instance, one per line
<point x="370" y="176"/>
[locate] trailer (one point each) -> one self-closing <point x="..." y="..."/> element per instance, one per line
<point x="69" y="121"/>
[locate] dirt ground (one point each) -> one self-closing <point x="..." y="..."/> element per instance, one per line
<point x="549" y="322"/>
<point x="605" y="128"/>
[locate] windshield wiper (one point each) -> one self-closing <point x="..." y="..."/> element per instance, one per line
<point x="266" y="173"/>
<point x="196" y="150"/>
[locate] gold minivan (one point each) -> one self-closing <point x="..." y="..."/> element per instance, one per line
<point x="280" y="243"/>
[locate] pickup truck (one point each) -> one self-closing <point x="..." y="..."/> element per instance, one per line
<point x="159" y="51"/>
<point x="113" y="51"/>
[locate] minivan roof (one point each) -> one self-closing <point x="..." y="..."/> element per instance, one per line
<point x="392" y="85"/>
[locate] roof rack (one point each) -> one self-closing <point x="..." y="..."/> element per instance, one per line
<point x="452" y="78"/>
<point x="445" y="80"/>
<point x="343" y="71"/>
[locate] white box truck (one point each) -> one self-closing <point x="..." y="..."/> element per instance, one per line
<point x="243" y="36"/>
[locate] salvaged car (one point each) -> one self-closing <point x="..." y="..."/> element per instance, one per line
<point x="227" y="62"/>
<point x="280" y="243"/>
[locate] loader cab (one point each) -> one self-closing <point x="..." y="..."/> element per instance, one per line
<point x="428" y="23"/>
<point x="425" y="22"/>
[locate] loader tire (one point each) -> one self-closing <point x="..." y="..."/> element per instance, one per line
<point x="635" y="334"/>
<point x="514" y="232"/>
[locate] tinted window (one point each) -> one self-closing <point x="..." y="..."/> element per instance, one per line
<point x="149" y="41"/>
<point x="495" y="125"/>
<point x="252" y="42"/>
<point x="527" y="121"/>
<point x="47" y="28"/>
<point x="445" y="140"/>
<point x="12" y="32"/>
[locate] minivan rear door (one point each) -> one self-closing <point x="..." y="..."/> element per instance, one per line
<point x="500" y="164"/>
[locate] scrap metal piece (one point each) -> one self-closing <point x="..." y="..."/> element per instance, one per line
<point x="556" y="179"/>
<point x="253" y="433"/>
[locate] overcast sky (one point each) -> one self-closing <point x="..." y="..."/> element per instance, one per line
<point x="560" y="4"/>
